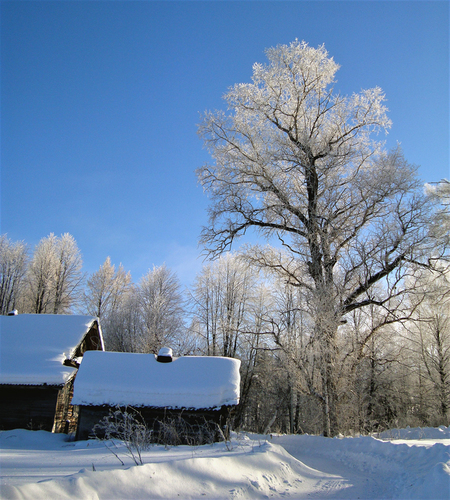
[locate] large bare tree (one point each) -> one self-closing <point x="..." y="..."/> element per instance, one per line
<point x="299" y="163"/>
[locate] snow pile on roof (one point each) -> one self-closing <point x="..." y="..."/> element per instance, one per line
<point x="33" y="347"/>
<point x="195" y="382"/>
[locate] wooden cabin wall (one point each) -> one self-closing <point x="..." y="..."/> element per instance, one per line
<point x="45" y="407"/>
<point x="66" y="416"/>
<point x="90" y="342"/>
<point x="27" y="407"/>
<point x="89" y="416"/>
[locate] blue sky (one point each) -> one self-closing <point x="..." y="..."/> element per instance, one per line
<point x="100" y="102"/>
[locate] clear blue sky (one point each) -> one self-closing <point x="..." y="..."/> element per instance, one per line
<point x="100" y="102"/>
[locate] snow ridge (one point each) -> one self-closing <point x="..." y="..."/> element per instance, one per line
<point x="40" y="465"/>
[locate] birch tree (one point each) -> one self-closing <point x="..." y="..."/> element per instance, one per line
<point x="40" y="276"/>
<point x="122" y="326"/>
<point x="431" y="341"/>
<point x="222" y="298"/>
<point x="13" y="265"/>
<point x="161" y="305"/>
<point x="54" y="276"/>
<point x="68" y="275"/>
<point x="105" y="289"/>
<point x="299" y="163"/>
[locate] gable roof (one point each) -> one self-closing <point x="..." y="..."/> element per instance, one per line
<point x="132" y="379"/>
<point x="33" y="347"/>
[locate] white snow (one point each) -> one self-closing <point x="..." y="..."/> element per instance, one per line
<point x="33" y="347"/>
<point x="40" y="465"/>
<point x="117" y="378"/>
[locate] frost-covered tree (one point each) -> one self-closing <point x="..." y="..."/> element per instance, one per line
<point x="221" y="296"/>
<point x="292" y="329"/>
<point x="105" y="289"/>
<point x="54" y="276"/>
<point x="68" y="275"/>
<point x="162" y="308"/>
<point x="140" y="317"/>
<point x="13" y="266"/>
<point x="440" y="193"/>
<point x="431" y="342"/>
<point x="229" y="306"/>
<point x="122" y="326"/>
<point x="253" y="344"/>
<point x="299" y="163"/>
<point x="373" y="367"/>
<point x="41" y="276"/>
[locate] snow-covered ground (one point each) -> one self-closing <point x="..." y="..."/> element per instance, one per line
<point x="409" y="464"/>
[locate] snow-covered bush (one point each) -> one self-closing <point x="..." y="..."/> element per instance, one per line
<point x="176" y="430"/>
<point x="127" y="426"/>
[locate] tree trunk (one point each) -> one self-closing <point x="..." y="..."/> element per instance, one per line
<point x="329" y="389"/>
<point x="443" y="377"/>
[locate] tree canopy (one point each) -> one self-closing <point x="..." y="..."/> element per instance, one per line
<point x="302" y="164"/>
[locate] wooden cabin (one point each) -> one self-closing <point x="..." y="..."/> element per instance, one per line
<point x="200" y="389"/>
<point x="39" y="358"/>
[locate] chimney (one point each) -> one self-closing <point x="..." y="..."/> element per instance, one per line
<point x="164" y="355"/>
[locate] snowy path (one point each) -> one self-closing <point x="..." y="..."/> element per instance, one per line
<point x="348" y="484"/>
<point x="40" y="465"/>
<point x="372" y="468"/>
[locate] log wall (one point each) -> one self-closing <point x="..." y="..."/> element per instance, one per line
<point x="28" y="407"/>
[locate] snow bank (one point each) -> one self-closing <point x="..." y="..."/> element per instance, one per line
<point x="415" y="433"/>
<point x="34" y="347"/>
<point x="262" y="472"/>
<point x="113" y="378"/>
<point x="408" y="472"/>
<point x="40" y="465"/>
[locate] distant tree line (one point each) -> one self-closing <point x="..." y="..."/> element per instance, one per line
<point x="47" y="282"/>
<point x="341" y="319"/>
<point x="389" y="373"/>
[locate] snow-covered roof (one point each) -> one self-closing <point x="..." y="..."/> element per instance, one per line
<point x="132" y="379"/>
<point x="33" y="347"/>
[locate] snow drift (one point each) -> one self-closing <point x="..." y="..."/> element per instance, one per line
<point x="41" y="465"/>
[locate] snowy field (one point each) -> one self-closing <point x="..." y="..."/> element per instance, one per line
<point x="408" y="464"/>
